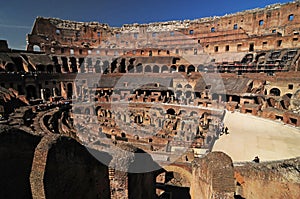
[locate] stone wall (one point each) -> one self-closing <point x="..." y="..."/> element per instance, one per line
<point x="213" y="177"/>
<point x="269" y="180"/>
<point x="51" y="167"/>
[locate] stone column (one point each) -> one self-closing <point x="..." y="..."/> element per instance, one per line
<point x="54" y="92"/>
<point x="42" y="94"/>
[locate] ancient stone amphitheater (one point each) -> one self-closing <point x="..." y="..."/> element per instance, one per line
<point x="139" y="111"/>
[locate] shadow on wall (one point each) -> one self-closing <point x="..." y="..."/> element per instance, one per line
<point x="16" y="155"/>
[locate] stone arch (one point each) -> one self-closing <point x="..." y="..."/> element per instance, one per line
<point x="147" y="69"/>
<point x="164" y="69"/>
<point x="289" y="95"/>
<point x="139" y="68"/>
<point x="215" y="96"/>
<point x="98" y="110"/>
<point x="181" y="68"/>
<point x="193" y="113"/>
<point x="179" y="86"/>
<point x="178" y="93"/>
<point x="31" y="92"/>
<point x="191" y="68"/>
<point x="130" y="68"/>
<point x="184" y="172"/>
<point x="188" y="94"/>
<point x="73" y="64"/>
<point x="173" y="68"/>
<point x="171" y="111"/>
<point x="155" y="69"/>
<point x="275" y="92"/>
<point x="36" y="48"/>
<point x="200" y="68"/>
<point x="188" y="86"/>
<point x="260" y="58"/>
<point x="87" y="111"/>
<point x="105" y="67"/>
<point x="69" y="90"/>
<point x="47" y="93"/>
<point x="123" y="135"/>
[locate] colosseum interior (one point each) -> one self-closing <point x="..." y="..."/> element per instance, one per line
<point x="174" y="109"/>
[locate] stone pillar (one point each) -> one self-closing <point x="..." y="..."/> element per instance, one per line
<point x="75" y="91"/>
<point x="220" y="98"/>
<point x="42" y="94"/>
<point x="78" y="65"/>
<point x="54" y="92"/>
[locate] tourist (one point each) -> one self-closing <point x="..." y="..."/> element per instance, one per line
<point x="256" y="159"/>
<point x="226" y="130"/>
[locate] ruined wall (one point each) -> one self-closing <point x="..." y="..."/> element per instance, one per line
<point x="273" y="27"/>
<point x="16" y="155"/>
<point x="213" y="177"/>
<point x="269" y="180"/>
<point x="71" y="172"/>
<point x="49" y="167"/>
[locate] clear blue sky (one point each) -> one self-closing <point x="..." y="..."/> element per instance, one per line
<point x="17" y="16"/>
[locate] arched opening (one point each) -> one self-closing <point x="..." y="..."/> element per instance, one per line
<point x="275" y="92"/>
<point x="123" y="135"/>
<point x="148" y="69"/>
<point x="97" y="66"/>
<point x="271" y="102"/>
<point x="47" y="93"/>
<point x="155" y="69"/>
<point x="188" y="94"/>
<point x="69" y="90"/>
<point x="65" y="64"/>
<point x="178" y="94"/>
<point x="31" y="92"/>
<point x="164" y="69"/>
<point x="130" y="68"/>
<point x="73" y="64"/>
<point x="113" y="65"/>
<point x="181" y="68"/>
<point x="215" y="96"/>
<point x="191" y="68"/>
<point x="194" y="113"/>
<point x="139" y="68"/>
<point x="173" y="182"/>
<point x="200" y="68"/>
<point x="171" y="111"/>
<point x="123" y="66"/>
<point x="105" y="67"/>
<point x="138" y="119"/>
<point x="261" y="58"/>
<point x="87" y="111"/>
<point x="36" y="48"/>
<point x="179" y="86"/>
<point x="173" y="68"/>
<point x="188" y="86"/>
<point x="289" y="95"/>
